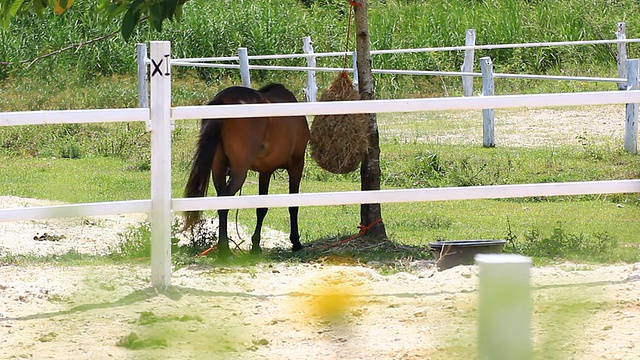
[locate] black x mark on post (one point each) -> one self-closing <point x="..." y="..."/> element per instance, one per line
<point x="156" y="67"/>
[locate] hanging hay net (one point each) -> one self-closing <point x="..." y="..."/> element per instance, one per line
<point x="338" y="143"/>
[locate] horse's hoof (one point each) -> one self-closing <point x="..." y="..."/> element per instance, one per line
<point x="256" y="251"/>
<point x="297" y="247"/>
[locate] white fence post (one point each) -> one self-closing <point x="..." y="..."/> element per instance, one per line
<point x="143" y="83"/>
<point x="488" y="132"/>
<point x="469" y="60"/>
<point x="631" y="123"/>
<point x="243" y="58"/>
<point x="312" y="86"/>
<point x="621" y="57"/>
<point x="504" y="307"/>
<point x="355" y="70"/>
<point x="161" y="216"/>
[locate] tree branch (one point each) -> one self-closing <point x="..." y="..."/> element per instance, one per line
<point x="74" y="46"/>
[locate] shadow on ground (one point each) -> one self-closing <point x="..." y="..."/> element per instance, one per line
<point x="340" y="250"/>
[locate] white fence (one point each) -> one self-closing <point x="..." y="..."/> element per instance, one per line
<point x="243" y="62"/>
<point x="160" y="116"/>
<point x="627" y="72"/>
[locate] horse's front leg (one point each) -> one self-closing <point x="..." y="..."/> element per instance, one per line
<point x="263" y="189"/>
<point x="295" y="176"/>
<point x="295" y="235"/>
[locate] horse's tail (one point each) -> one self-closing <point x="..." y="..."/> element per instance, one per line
<point x="198" y="183"/>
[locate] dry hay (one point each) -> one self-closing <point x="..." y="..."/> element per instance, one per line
<point x="338" y="143"/>
<point x="357" y="245"/>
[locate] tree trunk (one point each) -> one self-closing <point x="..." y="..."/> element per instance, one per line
<point x="370" y="169"/>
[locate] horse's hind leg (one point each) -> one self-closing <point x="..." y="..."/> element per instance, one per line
<point x="263" y="189"/>
<point x="295" y="175"/>
<point x="223" y="237"/>
<point x="226" y="188"/>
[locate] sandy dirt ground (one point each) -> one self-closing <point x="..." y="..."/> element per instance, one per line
<point x="528" y="127"/>
<point x="285" y="311"/>
<point x="323" y="310"/>
<point x="306" y="311"/>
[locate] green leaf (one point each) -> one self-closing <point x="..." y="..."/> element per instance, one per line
<point x="39" y="6"/>
<point x="130" y="19"/>
<point x="156" y="16"/>
<point x="15" y="6"/>
<point x="169" y="8"/>
<point x="178" y="13"/>
<point x="115" y="10"/>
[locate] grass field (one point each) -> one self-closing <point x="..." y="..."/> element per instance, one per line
<point x="577" y="228"/>
<point x="77" y="163"/>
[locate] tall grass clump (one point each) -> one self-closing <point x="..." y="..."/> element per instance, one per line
<point x="219" y="27"/>
<point x="135" y="242"/>
<point x="126" y="141"/>
<point x="40" y="36"/>
<point x="419" y="165"/>
<point x="561" y="244"/>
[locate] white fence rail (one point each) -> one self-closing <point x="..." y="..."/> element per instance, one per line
<point x="410" y="195"/>
<point x="161" y="115"/>
<point x="627" y="72"/>
<point x="72" y="116"/>
<point x="466" y="72"/>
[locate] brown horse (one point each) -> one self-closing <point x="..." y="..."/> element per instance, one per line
<point x="228" y="148"/>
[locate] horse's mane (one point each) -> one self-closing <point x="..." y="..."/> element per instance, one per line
<point x="277" y="93"/>
<point x="272" y="87"/>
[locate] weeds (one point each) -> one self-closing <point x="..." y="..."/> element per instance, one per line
<point x="562" y="245"/>
<point x="71" y="151"/>
<point x="511" y="238"/>
<point x="135" y="243"/>
<point x="200" y="238"/>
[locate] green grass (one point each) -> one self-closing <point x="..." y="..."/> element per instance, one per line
<point x="546" y="228"/>
<point x="268" y="27"/>
<point x="107" y="162"/>
<point x="73" y="180"/>
<point x="417" y="224"/>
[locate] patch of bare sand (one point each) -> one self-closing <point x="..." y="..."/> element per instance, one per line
<point x="87" y="235"/>
<point x="535" y="127"/>
<point x="266" y="312"/>
<point x="92" y="234"/>
<point x="523" y="127"/>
